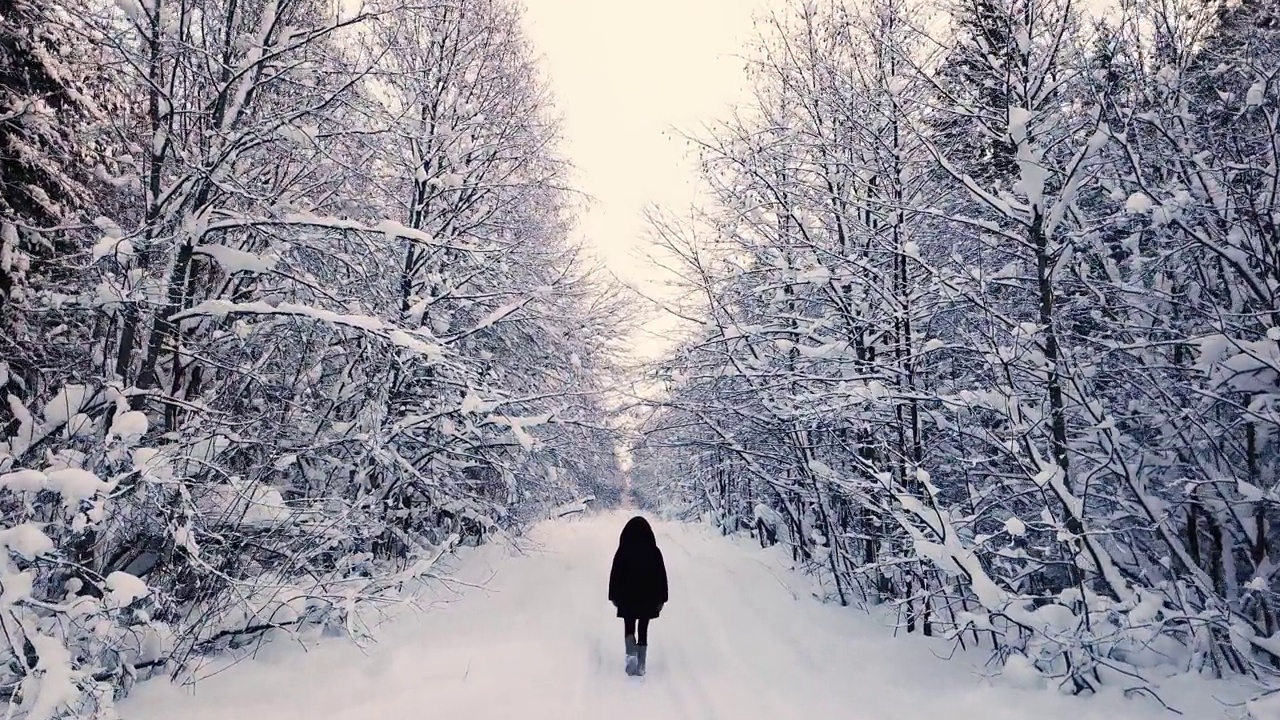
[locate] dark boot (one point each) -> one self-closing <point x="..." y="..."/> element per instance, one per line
<point x="642" y="654"/>
<point x="633" y="659"/>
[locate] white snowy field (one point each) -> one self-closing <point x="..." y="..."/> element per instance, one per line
<point x="741" y="638"/>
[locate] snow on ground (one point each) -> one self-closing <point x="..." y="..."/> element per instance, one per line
<point x="741" y="638"/>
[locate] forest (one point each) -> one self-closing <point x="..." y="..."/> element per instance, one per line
<point x="289" y="309"/>
<point x="988" y="326"/>
<point x="983" y="314"/>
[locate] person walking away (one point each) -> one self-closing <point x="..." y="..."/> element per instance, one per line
<point x="638" y="588"/>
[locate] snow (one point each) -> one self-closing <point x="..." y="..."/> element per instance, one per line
<point x="267" y="507"/>
<point x="1015" y="527"/>
<point x="16" y="587"/>
<point x="1018" y="119"/>
<point x="80" y="425"/>
<point x="26" y="540"/>
<point x="26" y="426"/>
<point x="1254" y="96"/>
<point x="109" y="245"/>
<point x="397" y="336"/>
<point x="124" y="589"/>
<point x="129" y="425"/>
<point x="245" y="503"/>
<point x="235" y="260"/>
<point x="740" y="638"/>
<point x="69" y="401"/>
<point x="75" y="485"/>
<point x="151" y="463"/>
<point x="1138" y="203"/>
<point x="770" y="516"/>
<point x="473" y="403"/>
<point x="133" y="10"/>
<point x="501" y="313"/>
<point x="23" y="480"/>
<point x="53" y="686"/>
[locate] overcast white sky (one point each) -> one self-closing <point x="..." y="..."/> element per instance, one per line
<point x="624" y="73"/>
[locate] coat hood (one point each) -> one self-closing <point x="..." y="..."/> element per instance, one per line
<point x="637" y="533"/>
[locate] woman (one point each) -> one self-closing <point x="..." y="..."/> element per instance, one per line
<point x="638" y="588"/>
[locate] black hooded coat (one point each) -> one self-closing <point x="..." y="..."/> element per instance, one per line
<point x="638" y="580"/>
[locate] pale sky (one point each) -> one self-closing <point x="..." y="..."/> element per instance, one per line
<point x="624" y="73"/>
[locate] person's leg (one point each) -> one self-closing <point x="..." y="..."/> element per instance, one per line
<point x="642" y="649"/>
<point x="633" y="651"/>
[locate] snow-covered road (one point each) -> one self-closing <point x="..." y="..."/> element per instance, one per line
<point x="740" y="639"/>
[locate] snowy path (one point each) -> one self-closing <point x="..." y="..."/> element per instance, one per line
<point x="540" y="641"/>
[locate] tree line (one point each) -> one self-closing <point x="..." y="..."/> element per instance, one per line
<point x="290" y="307"/>
<point x="987" y="325"/>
